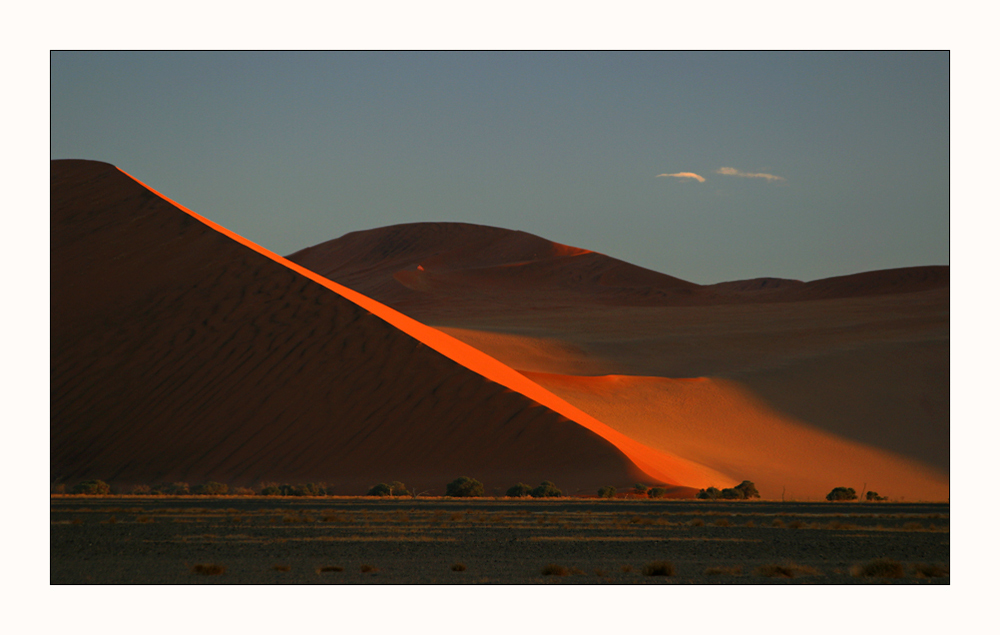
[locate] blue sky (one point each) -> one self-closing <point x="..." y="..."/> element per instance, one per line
<point x="292" y="149"/>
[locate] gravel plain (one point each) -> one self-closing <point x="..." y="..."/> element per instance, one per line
<point x="288" y="540"/>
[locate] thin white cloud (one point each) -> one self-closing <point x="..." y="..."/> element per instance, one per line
<point x="685" y="175"/>
<point x="749" y="175"/>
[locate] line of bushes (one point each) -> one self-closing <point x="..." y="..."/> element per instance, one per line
<point x="743" y="491"/>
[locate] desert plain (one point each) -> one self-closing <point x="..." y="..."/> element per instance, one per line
<point x="182" y="352"/>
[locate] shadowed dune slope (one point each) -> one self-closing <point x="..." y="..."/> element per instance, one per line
<point x="438" y="269"/>
<point x="180" y="353"/>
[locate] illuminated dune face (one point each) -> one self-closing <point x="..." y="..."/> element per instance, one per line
<point x="182" y="351"/>
<point x="805" y="384"/>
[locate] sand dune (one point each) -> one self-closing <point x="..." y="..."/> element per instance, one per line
<point x="181" y="351"/>
<point x="854" y="367"/>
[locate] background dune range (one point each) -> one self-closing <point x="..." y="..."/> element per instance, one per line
<point x="181" y="351"/>
<point x="798" y="386"/>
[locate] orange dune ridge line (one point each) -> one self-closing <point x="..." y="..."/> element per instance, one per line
<point x="659" y="465"/>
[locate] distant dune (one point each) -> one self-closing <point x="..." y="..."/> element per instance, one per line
<point x="181" y="351"/>
<point x="802" y="386"/>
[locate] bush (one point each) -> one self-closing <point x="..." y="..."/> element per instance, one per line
<point x="92" y="488"/>
<point x="519" y="491"/>
<point x="878" y="568"/>
<point x="639" y="488"/>
<point x="731" y="493"/>
<point x="177" y="489"/>
<point x="749" y="489"/>
<point x="464" y="487"/>
<point x="398" y="489"/>
<point x="709" y="494"/>
<point x="873" y="496"/>
<point x="658" y="568"/>
<point x="381" y="489"/>
<point x="606" y="492"/>
<point x="842" y="494"/>
<point x="657" y="492"/>
<point x="546" y="490"/>
<point x="211" y="488"/>
<point x="270" y="490"/>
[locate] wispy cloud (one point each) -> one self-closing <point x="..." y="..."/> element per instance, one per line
<point x="749" y="175"/>
<point x="685" y="175"/>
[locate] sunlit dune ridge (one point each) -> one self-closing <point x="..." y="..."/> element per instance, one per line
<point x="657" y="464"/>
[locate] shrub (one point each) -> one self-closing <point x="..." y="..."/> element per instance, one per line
<point x="749" y="489"/>
<point x="270" y="490"/>
<point x="519" y="491"/>
<point x="177" y="489"/>
<point x="330" y="569"/>
<point x="787" y="570"/>
<point x="244" y="491"/>
<point x="211" y="488"/>
<point x="381" y="489"/>
<point x="398" y="489"/>
<point x="141" y="490"/>
<point x="458" y="566"/>
<point x="930" y="570"/>
<point x="555" y="569"/>
<point x="57" y="488"/>
<point x="873" y="496"/>
<point x="546" y="490"/>
<point x="731" y="493"/>
<point x="657" y="492"/>
<point x="842" y="494"/>
<point x="658" y="568"/>
<point x="878" y="568"/>
<point x="709" y="494"/>
<point x="464" y="487"/>
<point x="208" y="569"/>
<point x="639" y="488"/>
<point x="92" y="488"/>
<point x="607" y="492"/>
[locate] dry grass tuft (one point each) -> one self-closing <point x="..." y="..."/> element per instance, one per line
<point x="331" y="518"/>
<point x="627" y="568"/>
<point x="282" y="567"/>
<point x="330" y="569"/>
<point x="786" y="570"/>
<point x="777" y="522"/>
<point x="796" y="524"/>
<point x="696" y="522"/>
<point x="733" y="570"/>
<point x="208" y="569"/>
<point x="878" y="568"/>
<point x="576" y="571"/>
<point x="367" y="568"/>
<point x="143" y="519"/>
<point x="600" y="573"/>
<point x="922" y="570"/>
<point x="458" y="566"/>
<point x="721" y="522"/>
<point x="555" y="569"/>
<point x="662" y="567"/>
<point x="912" y="526"/>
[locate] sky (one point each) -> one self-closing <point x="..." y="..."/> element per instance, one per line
<point x="799" y="165"/>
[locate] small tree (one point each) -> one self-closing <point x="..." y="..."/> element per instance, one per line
<point x="94" y="487"/>
<point x="380" y="490"/>
<point x="842" y="494"/>
<point x="607" y="492"/>
<point x="177" y="489"/>
<point x="546" y="490"/>
<point x="731" y="493"/>
<point x="464" y="487"/>
<point x="519" y="491"/>
<point x="749" y="489"/>
<point x="657" y="492"/>
<point x="709" y="494"/>
<point x="639" y="488"/>
<point x="398" y="489"/>
<point x="873" y="496"/>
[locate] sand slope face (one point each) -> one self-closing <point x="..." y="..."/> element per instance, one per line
<point x="180" y="354"/>
<point x="853" y="369"/>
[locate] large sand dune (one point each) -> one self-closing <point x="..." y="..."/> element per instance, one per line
<point x="804" y="385"/>
<point x="181" y="351"/>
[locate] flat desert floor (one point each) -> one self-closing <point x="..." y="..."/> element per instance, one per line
<point x="257" y="540"/>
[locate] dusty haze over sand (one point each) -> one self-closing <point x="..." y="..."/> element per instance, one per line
<point x="798" y="386"/>
<point x="180" y="351"/>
